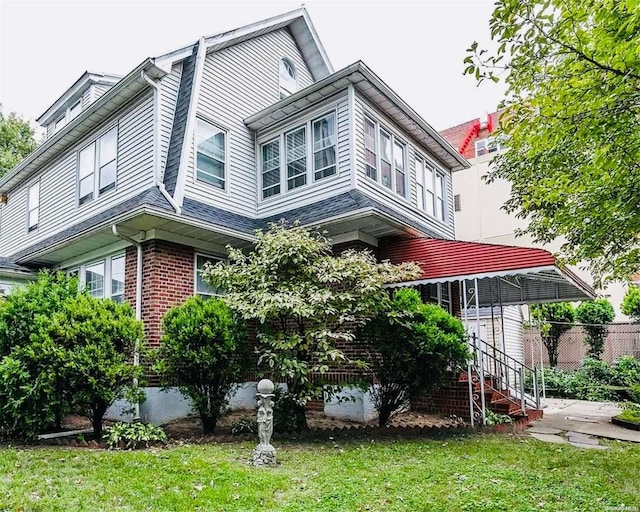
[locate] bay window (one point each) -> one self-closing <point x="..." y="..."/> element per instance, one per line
<point x="387" y="155"/>
<point x="296" y="144"/>
<point x="430" y="189"/>
<point x="324" y="147"/>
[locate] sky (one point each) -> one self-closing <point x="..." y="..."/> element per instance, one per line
<point x="416" y="47"/>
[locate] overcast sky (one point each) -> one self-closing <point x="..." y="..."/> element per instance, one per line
<point x="416" y="47"/>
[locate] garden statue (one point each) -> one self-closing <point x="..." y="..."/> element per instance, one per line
<point x="265" y="453"/>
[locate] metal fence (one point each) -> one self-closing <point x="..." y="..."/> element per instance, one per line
<point x="622" y="339"/>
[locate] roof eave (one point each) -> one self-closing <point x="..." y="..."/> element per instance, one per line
<point x="360" y="68"/>
<point x="20" y="171"/>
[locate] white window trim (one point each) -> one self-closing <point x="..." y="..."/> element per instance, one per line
<point x="67" y="115"/>
<point x="227" y="158"/>
<point x="284" y="91"/>
<point x="106" y="261"/>
<point x="437" y="171"/>
<point x="31" y="229"/>
<point x="487" y="142"/>
<point x="260" y="153"/>
<point x="195" y="273"/>
<point x="394" y="138"/>
<point x="310" y="172"/>
<point x="96" y="169"/>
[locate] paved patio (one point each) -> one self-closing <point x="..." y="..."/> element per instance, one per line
<point x="581" y="422"/>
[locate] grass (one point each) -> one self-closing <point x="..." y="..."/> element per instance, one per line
<point x="487" y="473"/>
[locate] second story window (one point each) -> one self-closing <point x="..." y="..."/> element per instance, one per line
<point x="271" y="168"/>
<point x="211" y="155"/>
<point x="385" y="157"/>
<point x="490" y="145"/>
<point x="288" y="78"/>
<point x="98" y="167"/>
<point x="430" y="188"/>
<point x="296" y="144"/>
<point x="33" y="206"/>
<point x="324" y="147"/>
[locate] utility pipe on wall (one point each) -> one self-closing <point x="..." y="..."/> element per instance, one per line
<point x="138" y="308"/>
<point x="155" y="84"/>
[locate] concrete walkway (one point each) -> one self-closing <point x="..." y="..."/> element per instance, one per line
<point x="582" y="422"/>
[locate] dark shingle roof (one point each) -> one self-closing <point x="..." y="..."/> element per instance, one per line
<point x="7" y="264"/>
<point x="180" y="122"/>
<point x="151" y="197"/>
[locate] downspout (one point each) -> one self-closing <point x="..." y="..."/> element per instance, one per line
<point x="136" y="350"/>
<point x="156" y="142"/>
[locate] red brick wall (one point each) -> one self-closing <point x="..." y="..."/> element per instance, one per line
<point x="456" y="134"/>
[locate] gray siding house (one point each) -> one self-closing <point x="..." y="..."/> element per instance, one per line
<point x="144" y="178"/>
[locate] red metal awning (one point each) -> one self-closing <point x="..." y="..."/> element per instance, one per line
<point x="519" y="275"/>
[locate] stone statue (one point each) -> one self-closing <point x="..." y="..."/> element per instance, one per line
<point x="265" y="453"/>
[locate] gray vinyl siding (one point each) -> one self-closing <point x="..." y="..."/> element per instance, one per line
<point x="58" y="204"/>
<point x="86" y="97"/>
<point x="389" y="198"/>
<point x="237" y="82"/>
<point x="169" y="87"/>
<point x="324" y="188"/>
<point x="97" y="91"/>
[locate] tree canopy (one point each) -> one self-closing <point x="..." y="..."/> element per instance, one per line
<point x="16" y="141"/>
<point x="571" y="123"/>
<point x="305" y="301"/>
<point x="595" y="315"/>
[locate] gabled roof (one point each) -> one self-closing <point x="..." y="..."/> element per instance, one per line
<point x="378" y="93"/>
<point x="299" y="24"/>
<point x="524" y="275"/>
<point x="87" y="78"/>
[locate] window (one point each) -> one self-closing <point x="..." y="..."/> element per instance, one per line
<point x="211" y="154"/>
<point x="288" y="78"/>
<point x="98" y="167"/>
<point x="438" y="293"/>
<point x="385" y="155"/>
<point x="271" y="168"/>
<point x="370" y="149"/>
<point x="33" y="206"/>
<point x="60" y="122"/>
<point x="94" y="279"/>
<point x="490" y="145"/>
<point x="102" y="279"/>
<point x="324" y="146"/>
<point x="75" y="109"/>
<point x="117" y="278"/>
<point x="457" y="205"/>
<point x="385" y="158"/>
<point x="310" y="154"/>
<point x="203" y="289"/>
<point x="296" y="145"/>
<point x="430" y="189"/>
<point x="399" y="165"/>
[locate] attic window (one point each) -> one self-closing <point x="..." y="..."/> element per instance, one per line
<point x="288" y="79"/>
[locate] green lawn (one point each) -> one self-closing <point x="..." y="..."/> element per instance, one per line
<point x="473" y="473"/>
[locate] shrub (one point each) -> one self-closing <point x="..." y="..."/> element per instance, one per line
<point x="133" y="435"/>
<point x="493" y="418"/>
<point x="244" y="426"/>
<point x="412" y="347"/>
<point x="552" y="320"/>
<point x="204" y="351"/>
<point x="626" y="371"/>
<point x="595" y="315"/>
<point x="631" y="303"/>
<point x="97" y="339"/>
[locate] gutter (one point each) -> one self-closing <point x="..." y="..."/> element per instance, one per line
<point x="136" y="350"/>
<point x="156" y="85"/>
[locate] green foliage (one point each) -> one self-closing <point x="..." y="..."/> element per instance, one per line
<point x="553" y="319"/>
<point x="61" y="352"/>
<point x="133" y="435"/>
<point x="631" y="303"/>
<point x="493" y="418"/>
<point x="412" y="347"/>
<point x="571" y="123"/>
<point x="204" y="351"/>
<point x="244" y="426"/>
<point x="595" y="315"/>
<point x="630" y="412"/>
<point x="595" y="379"/>
<point x="304" y="301"/>
<point x="96" y="339"/>
<point x="16" y="141"/>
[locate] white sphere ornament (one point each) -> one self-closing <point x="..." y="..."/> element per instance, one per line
<point x="265" y="386"/>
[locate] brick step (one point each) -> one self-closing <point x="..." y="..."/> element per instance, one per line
<point x="504" y="406"/>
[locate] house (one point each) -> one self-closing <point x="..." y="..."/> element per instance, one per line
<point x="144" y="178"/>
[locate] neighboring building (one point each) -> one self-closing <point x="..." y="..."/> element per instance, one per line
<point x="198" y="148"/>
